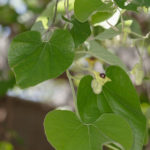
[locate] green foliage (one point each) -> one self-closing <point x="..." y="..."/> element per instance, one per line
<point x="87" y="105"/>
<point x="80" y="31"/>
<point x="74" y="134"/>
<point x="84" y="8"/>
<point x="102" y="54"/>
<point x="109" y="33"/>
<point x="7" y="19"/>
<point x="34" y="61"/>
<point x="123" y="100"/>
<point x="107" y="106"/>
<point x="100" y="16"/>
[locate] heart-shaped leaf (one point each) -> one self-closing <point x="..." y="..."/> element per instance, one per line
<point x="34" y="61"/>
<point x="65" y="132"/>
<point x="87" y="101"/>
<point x="122" y="98"/>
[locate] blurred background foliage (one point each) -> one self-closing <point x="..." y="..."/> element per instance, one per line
<point x="22" y="110"/>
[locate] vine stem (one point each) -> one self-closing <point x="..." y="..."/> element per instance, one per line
<point x="71" y="84"/>
<point x="51" y="27"/>
<point x="73" y="92"/>
<point x="113" y="27"/>
<point x="55" y="13"/>
<point x="54" y="17"/>
<point x="66" y="6"/>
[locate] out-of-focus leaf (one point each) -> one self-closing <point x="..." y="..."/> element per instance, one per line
<point x="100" y="16"/>
<point x="109" y="33"/>
<point x="97" y="30"/>
<point x="84" y="8"/>
<point x="7" y="15"/>
<point x="5" y="146"/>
<point x="80" y="31"/>
<point x="133" y="5"/>
<point x="138" y="73"/>
<point x="103" y="54"/>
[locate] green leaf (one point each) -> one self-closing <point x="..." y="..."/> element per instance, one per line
<point x="123" y="100"/>
<point x="84" y="8"/>
<point x="101" y="53"/>
<point x="101" y="16"/>
<point x="102" y="104"/>
<point x="65" y="132"/>
<point x="6" y="20"/>
<point x="34" y="61"/>
<point x="87" y="101"/>
<point x="80" y="32"/>
<point x="109" y="33"/>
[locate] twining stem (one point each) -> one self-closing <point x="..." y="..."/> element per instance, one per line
<point x="113" y="27"/>
<point x="66" y="6"/>
<point x="73" y="91"/>
<point x="138" y="35"/>
<point x="54" y="17"/>
<point x="55" y="13"/>
<point x="71" y="84"/>
<point x="53" y="21"/>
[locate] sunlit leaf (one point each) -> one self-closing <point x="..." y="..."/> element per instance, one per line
<point x="34" y="61"/>
<point x="65" y="132"/>
<point x="123" y="100"/>
<point x="80" y="31"/>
